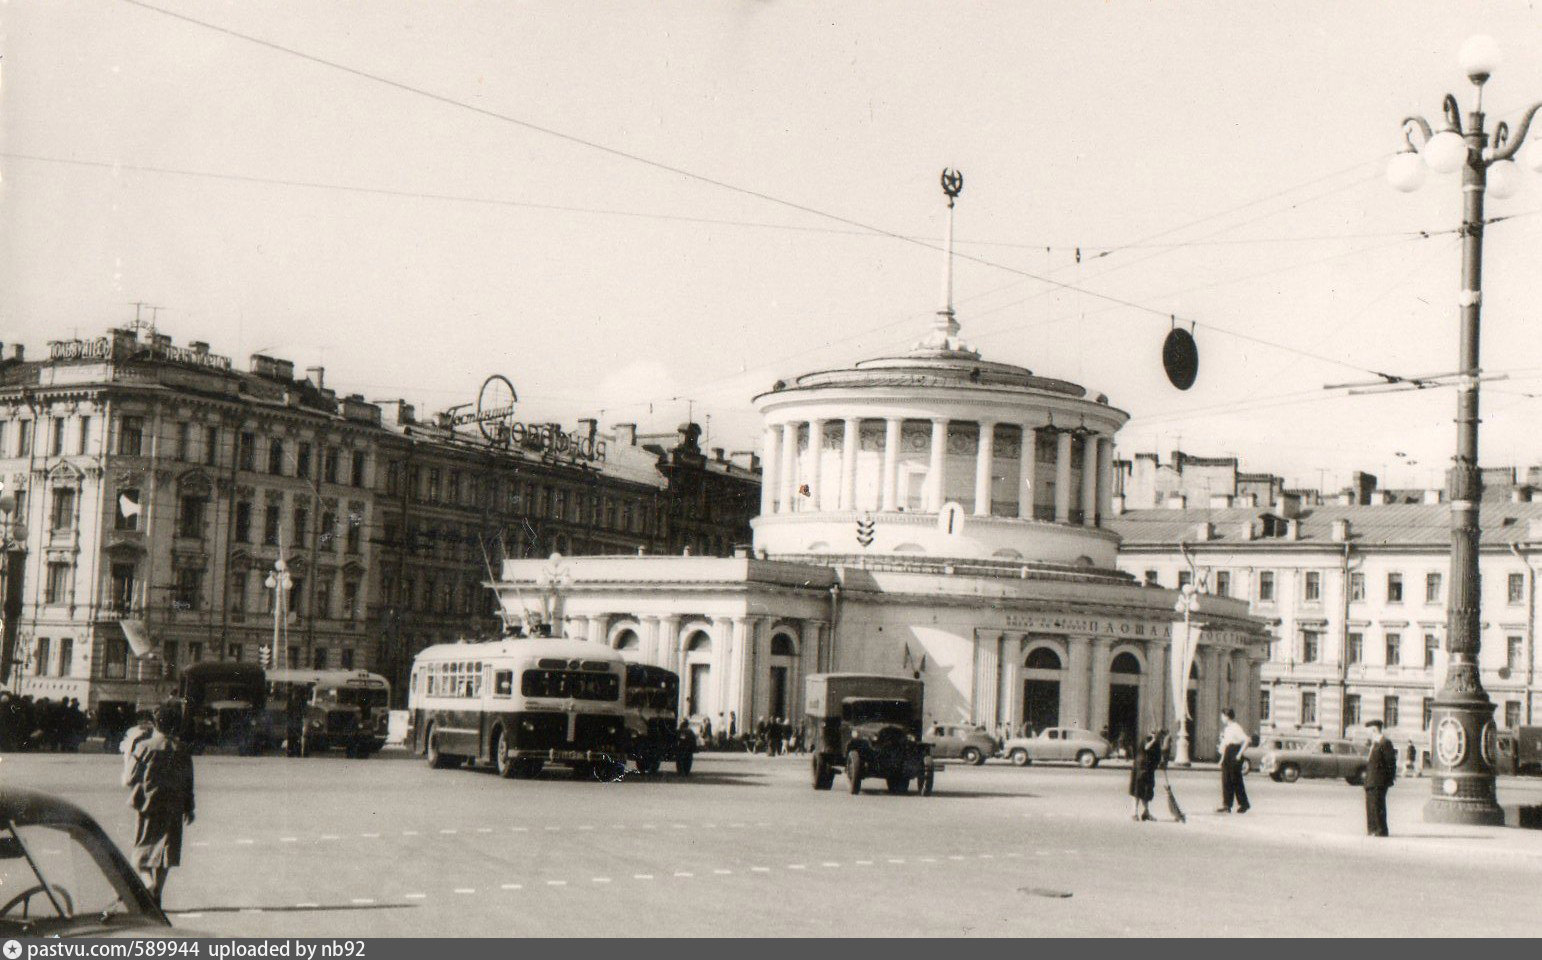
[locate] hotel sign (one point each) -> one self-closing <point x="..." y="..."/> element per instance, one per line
<point x="494" y="417"/>
<point x="106" y="348"/>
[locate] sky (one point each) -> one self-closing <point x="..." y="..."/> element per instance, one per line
<point x="644" y="212"/>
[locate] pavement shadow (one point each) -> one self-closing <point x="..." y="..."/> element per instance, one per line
<point x="318" y="908"/>
<point x="985" y="794"/>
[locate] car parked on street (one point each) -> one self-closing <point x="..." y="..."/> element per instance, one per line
<point x="1317" y="760"/>
<point x="956" y="741"/>
<point x="1064" y="744"/>
<point x="60" y="875"/>
<point x="1253" y="756"/>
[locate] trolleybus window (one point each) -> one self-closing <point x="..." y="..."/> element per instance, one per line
<point x="570" y="683"/>
<point x="503" y="683"/>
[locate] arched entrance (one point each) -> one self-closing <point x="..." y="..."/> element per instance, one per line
<point x="1042" y="672"/>
<point x="1124" y="700"/>
<point x="784" y="654"/>
<point x="698" y="674"/>
<point x="628" y="644"/>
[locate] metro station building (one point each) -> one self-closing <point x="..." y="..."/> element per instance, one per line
<point x="933" y="514"/>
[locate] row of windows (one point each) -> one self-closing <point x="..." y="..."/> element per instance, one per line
<point x="1266" y="588"/>
<point x="1311" y="649"/>
<point x="452" y="487"/>
<point x="1391" y="710"/>
<point x="48" y="659"/>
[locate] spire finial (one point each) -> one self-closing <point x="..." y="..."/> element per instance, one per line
<point x="944" y="332"/>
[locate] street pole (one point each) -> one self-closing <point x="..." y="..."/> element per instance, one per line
<point x="1462" y="731"/>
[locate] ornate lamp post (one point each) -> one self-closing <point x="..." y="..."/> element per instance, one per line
<point x="1462" y="724"/>
<point x="13" y="542"/>
<point x="279" y="581"/>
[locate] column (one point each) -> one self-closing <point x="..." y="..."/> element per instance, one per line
<point x="934" y="475"/>
<point x="1207" y="707"/>
<point x="1027" y="465"/>
<point x="891" y="446"/>
<point x="816" y="442"/>
<point x="1011" y="695"/>
<point x="769" y="469"/>
<point x="724" y="650"/>
<point x="746" y="634"/>
<point x="671" y="653"/>
<point x="983" y="707"/>
<point x="1098" y="695"/>
<point x="1074" y="705"/>
<point x="850" y="441"/>
<point x="982" y="468"/>
<point x="652" y="651"/>
<point x="1063" y="477"/>
<point x="1105" y="479"/>
<point x="596" y="631"/>
<point x="1239" y="698"/>
<point x="789" y="457"/>
<point x="1089" y="480"/>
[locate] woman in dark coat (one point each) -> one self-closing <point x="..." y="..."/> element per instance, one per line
<point x="1143" y="770"/>
<point x="161" y="780"/>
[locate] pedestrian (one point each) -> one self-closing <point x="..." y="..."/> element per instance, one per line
<point x="1143" y="770"/>
<point x="760" y="734"/>
<point x="162" y="793"/>
<point x="774" y="735"/>
<point x="1413" y="759"/>
<point x="733" y="725"/>
<point x="1380" y="773"/>
<point x="144" y="725"/>
<point x="1233" y="741"/>
<point x="706" y="729"/>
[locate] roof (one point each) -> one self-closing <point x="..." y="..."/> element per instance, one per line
<point x="1382" y="525"/>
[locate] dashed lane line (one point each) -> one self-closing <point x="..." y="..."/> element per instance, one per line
<point x="642" y="876"/>
<point x="556" y="883"/>
<point x="684" y="873"/>
<point x="414" y="896"/>
<point x="511" y="886"/>
<point x="465" y="890"/>
<point x="599" y="880"/>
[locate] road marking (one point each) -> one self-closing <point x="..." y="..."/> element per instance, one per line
<point x="678" y="826"/>
<point x="600" y="880"/>
<point x="513" y="886"/>
<point x="520" y="829"/>
<point x="893" y="860"/>
<point x="306" y="906"/>
<point x="642" y="876"/>
<point x="795" y="866"/>
<point x="245" y="842"/>
<point x="280" y="840"/>
<point x="951" y="856"/>
<point x="683" y="873"/>
<point x="330" y="836"/>
<point x="200" y="843"/>
<point x="191" y="916"/>
<point x="762" y="823"/>
<point x="987" y="856"/>
<point x="251" y="909"/>
<point x="450" y="830"/>
<point x="553" y="829"/>
<point x="556" y="883"/>
<point x="370" y="836"/>
<point x="484" y="829"/>
<point x="864" y="863"/>
<point x="618" y="826"/>
<point x="409" y="833"/>
<point x="829" y="863"/>
<point x="760" y="869"/>
<point x="722" y="873"/>
<point x="414" y="896"/>
<point x="465" y="890"/>
<point x="363" y="900"/>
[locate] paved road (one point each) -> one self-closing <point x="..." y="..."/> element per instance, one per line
<point x="383" y="847"/>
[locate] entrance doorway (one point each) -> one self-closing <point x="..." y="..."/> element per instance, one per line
<point x="696" y="698"/>
<point x="779" y="692"/>
<point x="1124" y="701"/>
<point x="1041" y="690"/>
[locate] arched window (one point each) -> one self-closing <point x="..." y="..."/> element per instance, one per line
<point x="1043" y="658"/>
<point x="699" y="643"/>
<point x="628" y="640"/>
<point x="1125" y="663"/>
<point x="782" y="646"/>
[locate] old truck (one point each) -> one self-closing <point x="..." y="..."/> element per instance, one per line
<point x="870" y="727"/>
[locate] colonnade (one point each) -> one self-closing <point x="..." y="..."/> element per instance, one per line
<point x="798" y="479"/>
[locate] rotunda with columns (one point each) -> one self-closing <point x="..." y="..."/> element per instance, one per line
<point x="933" y="514"/>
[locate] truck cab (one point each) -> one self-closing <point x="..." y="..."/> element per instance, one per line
<point x="868" y="726"/>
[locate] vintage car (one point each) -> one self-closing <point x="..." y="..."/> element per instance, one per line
<point x="60" y="876"/>
<point x="1058" y="743"/>
<point x="952" y="741"/>
<point x="1253" y="756"/>
<point x="868" y="726"/>
<point x="1317" y="759"/>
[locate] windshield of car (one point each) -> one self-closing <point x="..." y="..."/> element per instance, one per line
<point x="876" y="711"/>
<point x="48" y="875"/>
<point x="215" y="692"/>
<point x="357" y="697"/>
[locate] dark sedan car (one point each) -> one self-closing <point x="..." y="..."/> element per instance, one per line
<point x="60" y="876"/>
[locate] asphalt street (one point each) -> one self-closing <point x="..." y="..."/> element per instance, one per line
<point x="387" y="847"/>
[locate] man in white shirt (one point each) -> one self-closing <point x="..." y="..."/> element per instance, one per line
<point x="1234" y="740"/>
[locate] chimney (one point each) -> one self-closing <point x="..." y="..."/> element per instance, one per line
<point x="1176" y="501"/>
<point x="1220" y="501"/>
<point x="1288" y="506"/>
<point x="588" y="427"/>
<point x="1246" y="530"/>
<point x="18" y="352"/>
<point x="1247" y="500"/>
<point x="1380" y="498"/>
<point x="754" y="462"/>
<point x="1520" y="494"/>
<point x="717" y="454"/>
<point x="1292" y="529"/>
<point x="1432" y="496"/>
<point x="626" y="434"/>
<point x="1204" y="531"/>
<point x="1345" y="499"/>
<point x="1364" y="485"/>
<point x="1341" y="531"/>
<point x="317" y="376"/>
<point x="199" y="346"/>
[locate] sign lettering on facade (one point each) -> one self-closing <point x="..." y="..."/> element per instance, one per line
<point x="105" y="348"/>
<point x="1090" y="626"/>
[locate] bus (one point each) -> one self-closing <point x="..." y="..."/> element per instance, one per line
<point x="222" y="702"/>
<point x="311" y="710"/>
<point x="518" y="704"/>
<point x="653" y="720"/>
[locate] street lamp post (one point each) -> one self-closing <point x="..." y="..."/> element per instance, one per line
<point x="279" y="582"/>
<point x="1462" y="722"/>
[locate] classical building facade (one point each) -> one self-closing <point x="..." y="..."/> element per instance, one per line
<point x="1357" y="593"/>
<point x="932" y="514"/>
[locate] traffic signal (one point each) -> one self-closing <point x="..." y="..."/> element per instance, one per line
<point x="265" y="655"/>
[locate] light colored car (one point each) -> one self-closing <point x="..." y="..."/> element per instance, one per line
<point x="60" y="876"/>
<point x="1317" y="759"/>
<point x="1058" y="744"/>
<point x="1253" y="756"/>
<point x="961" y="742"/>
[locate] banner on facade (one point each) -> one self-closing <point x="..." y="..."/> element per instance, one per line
<point x="1185" y="644"/>
<point x="138" y="637"/>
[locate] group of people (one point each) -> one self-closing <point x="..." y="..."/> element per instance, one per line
<point x="773" y="736"/>
<point x="43" y="724"/>
<point x="1154" y="752"/>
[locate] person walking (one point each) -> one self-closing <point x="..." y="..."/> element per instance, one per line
<point x="1148" y="758"/>
<point x="1233" y="741"/>
<point x="1380" y="774"/>
<point x="162" y="792"/>
<point x="144" y="725"/>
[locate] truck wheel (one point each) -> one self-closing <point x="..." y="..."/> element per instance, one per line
<point x="1087" y="759"/>
<point x="501" y="759"/>
<point x="928" y="779"/>
<point x="824" y="774"/>
<point x="973" y="757"/>
<point x="854" y="771"/>
<point x="1019" y="757"/>
<point x="1290" y="773"/>
<point x="683" y="764"/>
<point x="899" y="785"/>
